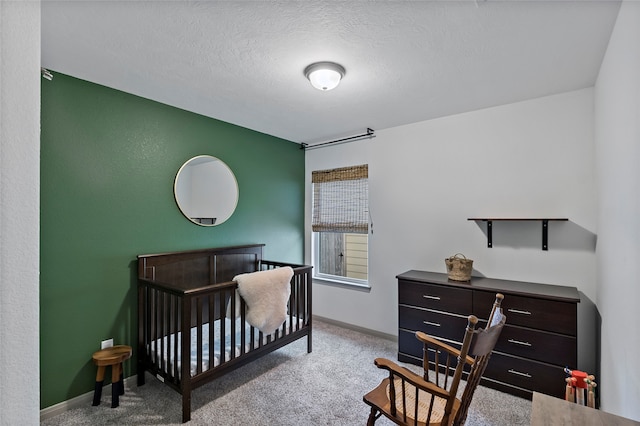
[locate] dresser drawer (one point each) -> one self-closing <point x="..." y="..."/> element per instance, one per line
<point x="541" y="314"/>
<point x="527" y="374"/>
<point x="538" y="345"/>
<point x="409" y="344"/>
<point x="441" y="298"/>
<point x="434" y="324"/>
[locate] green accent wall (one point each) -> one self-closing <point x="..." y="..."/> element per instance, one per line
<point x="108" y="162"/>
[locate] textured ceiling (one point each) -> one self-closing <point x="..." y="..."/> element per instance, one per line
<point x="243" y="61"/>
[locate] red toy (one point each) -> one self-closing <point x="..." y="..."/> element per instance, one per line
<point x="579" y="382"/>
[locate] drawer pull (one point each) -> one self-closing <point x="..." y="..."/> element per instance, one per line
<point x="518" y="342"/>
<point x="520" y="374"/>
<point x="426" y="296"/>
<point x="435" y="324"/>
<point x="517" y="311"/>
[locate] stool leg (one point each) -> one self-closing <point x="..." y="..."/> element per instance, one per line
<point x="115" y="385"/>
<point x="121" y="379"/>
<point x="97" y="393"/>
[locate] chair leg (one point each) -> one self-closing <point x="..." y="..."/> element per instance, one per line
<point x="373" y="417"/>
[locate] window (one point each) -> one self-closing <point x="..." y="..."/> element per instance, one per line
<point x="340" y="224"/>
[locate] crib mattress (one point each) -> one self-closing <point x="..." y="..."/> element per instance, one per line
<point x="169" y="357"/>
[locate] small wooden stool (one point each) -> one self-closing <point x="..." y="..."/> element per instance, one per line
<point x="114" y="357"/>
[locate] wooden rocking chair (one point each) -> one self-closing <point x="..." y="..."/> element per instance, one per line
<point x="409" y="399"/>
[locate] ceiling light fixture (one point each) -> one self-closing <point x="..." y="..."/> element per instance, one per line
<point x="324" y="75"/>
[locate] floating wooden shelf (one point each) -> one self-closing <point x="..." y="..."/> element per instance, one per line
<point x="545" y="226"/>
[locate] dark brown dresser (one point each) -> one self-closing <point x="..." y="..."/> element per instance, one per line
<point x="538" y="341"/>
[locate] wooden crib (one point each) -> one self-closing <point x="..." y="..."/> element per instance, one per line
<point x="186" y="311"/>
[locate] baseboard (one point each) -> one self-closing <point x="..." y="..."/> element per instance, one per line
<point x="80" y="400"/>
<point x="364" y="330"/>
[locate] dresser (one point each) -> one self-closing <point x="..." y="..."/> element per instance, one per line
<point x="537" y="342"/>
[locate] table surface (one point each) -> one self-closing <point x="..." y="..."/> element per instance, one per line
<point x="550" y="411"/>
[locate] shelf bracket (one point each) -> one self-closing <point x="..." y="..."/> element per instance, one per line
<point x="489" y="233"/>
<point x="545" y="234"/>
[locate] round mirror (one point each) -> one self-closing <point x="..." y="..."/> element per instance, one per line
<point x="206" y="190"/>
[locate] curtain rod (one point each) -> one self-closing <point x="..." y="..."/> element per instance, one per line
<point x="369" y="134"/>
<point x="46" y="73"/>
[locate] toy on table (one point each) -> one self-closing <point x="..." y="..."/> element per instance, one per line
<point x="579" y="382"/>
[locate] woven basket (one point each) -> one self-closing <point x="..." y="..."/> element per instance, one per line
<point x="459" y="267"/>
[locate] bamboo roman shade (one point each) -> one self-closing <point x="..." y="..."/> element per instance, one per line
<point x="341" y="200"/>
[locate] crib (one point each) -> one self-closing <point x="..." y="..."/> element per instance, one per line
<point x="188" y="310"/>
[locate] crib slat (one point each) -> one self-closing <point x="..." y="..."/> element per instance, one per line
<point x="185" y="368"/>
<point x="295" y="299"/>
<point x="154" y="307"/>
<point x="211" y="329"/>
<point x="142" y="332"/>
<point x="161" y="331"/>
<point x="185" y="341"/>
<point x="176" y="327"/>
<point x="290" y="305"/>
<point x="199" y="344"/>
<point x="302" y="301"/>
<point x="232" y="348"/>
<point x="252" y="331"/>
<point x="150" y="320"/>
<point x="243" y="329"/>
<point x="221" y="334"/>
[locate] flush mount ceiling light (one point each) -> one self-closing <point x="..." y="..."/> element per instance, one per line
<point x="324" y="75"/>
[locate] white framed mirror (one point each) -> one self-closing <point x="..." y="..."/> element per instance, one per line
<point x="206" y="190"/>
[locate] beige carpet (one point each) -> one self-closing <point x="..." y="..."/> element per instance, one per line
<point x="287" y="387"/>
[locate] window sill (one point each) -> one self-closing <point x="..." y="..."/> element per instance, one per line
<point x="343" y="284"/>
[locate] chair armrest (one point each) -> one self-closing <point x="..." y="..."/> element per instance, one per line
<point x="430" y="341"/>
<point x="411" y="377"/>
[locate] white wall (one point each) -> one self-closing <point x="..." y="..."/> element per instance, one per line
<point x="529" y="159"/>
<point x="19" y="212"/>
<point x="617" y="136"/>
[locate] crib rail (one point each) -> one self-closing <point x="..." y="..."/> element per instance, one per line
<point x="188" y="337"/>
